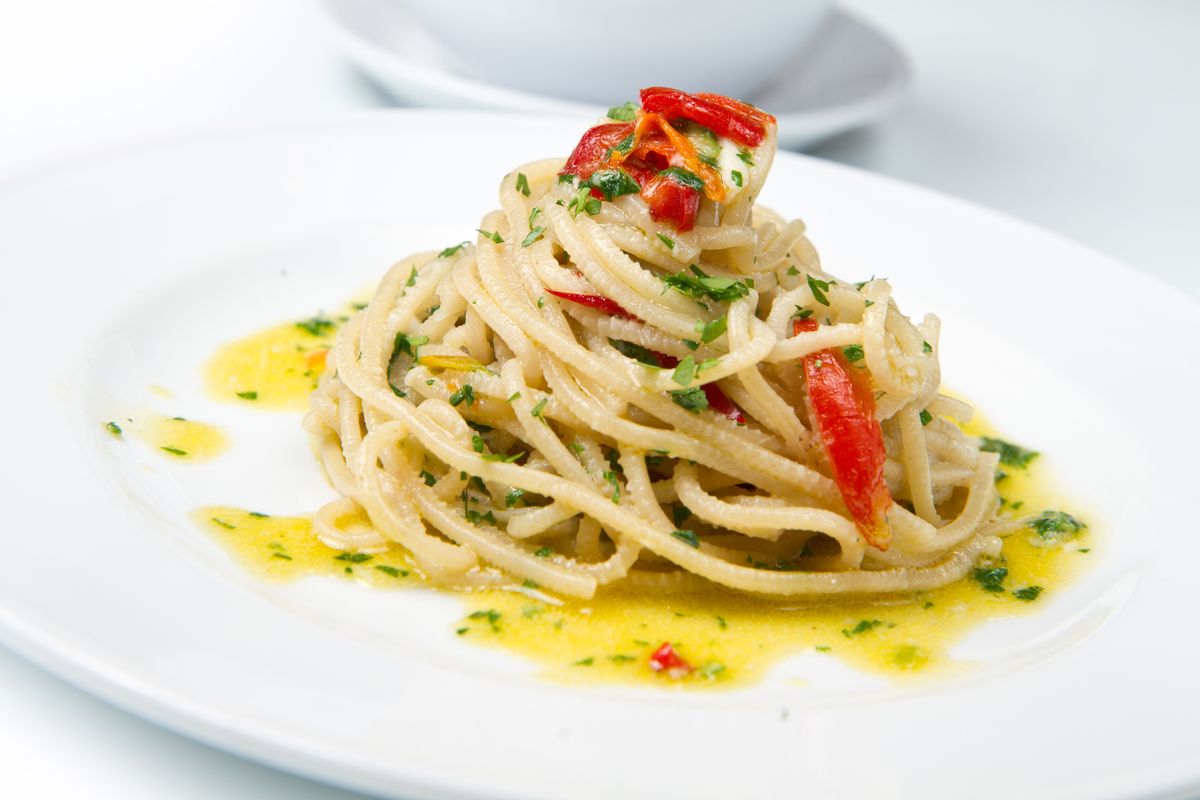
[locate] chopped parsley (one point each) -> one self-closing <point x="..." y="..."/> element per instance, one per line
<point x="533" y="236"/>
<point x="926" y="346"/>
<point x="513" y="496"/>
<point x="690" y="344"/>
<point x="543" y="552"/>
<point x="862" y="626"/>
<point x="635" y="351"/>
<point x="684" y="177"/>
<point x="493" y="235"/>
<point x="353" y="558"/>
<point x="522" y="184"/>
<point x="429" y="478"/>
<point x="536" y="411"/>
<point x="250" y="395"/>
<point x="501" y="457"/>
<point x="926" y="417"/>
<point x="744" y="155"/>
<point x="113" y="428"/>
<point x="711" y="330"/>
<point x="687" y="537"/>
<point x="612" y="183"/>
<point x="466" y="393"/>
<point x="692" y="399"/>
<point x="611" y="478"/>
<point x="175" y="451"/>
<point x="818" y="288"/>
<point x="584" y="662"/>
<point x="685" y="372"/>
<point x="680" y="513"/>
<point x="991" y="579"/>
<point x="853" y="352"/>
<point x="223" y="523"/>
<point x="491" y="615"/>
<point x="709" y="670"/>
<point x="452" y="249"/>
<point x="626" y="112"/>
<point x="1010" y="454"/>
<point x="802" y="313"/>
<point x="1028" y="594"/>
<point x="667" y="240"/>
<point x="477" y="443"/>
<point x="737" y="177"/>
<point x="407" y="344"/>
<point x="412" y="278"/>
<point x="702" y="285"/>
<point x="583" y="201"/>
<point x="792" y="270"/>
<point x="1056" y="524"/>
<point x="317" y="326"/>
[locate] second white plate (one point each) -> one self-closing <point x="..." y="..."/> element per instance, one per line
<point x="850" y="75"/>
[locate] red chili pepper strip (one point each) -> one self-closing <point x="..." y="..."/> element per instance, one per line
<point x="665" y="659"/>
<point x="843" y="410"/>
<point x="591" y="153"/>
<point x="596" y="301"/>
<point x="722" y="115"/>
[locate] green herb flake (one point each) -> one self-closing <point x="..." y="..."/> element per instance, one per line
<point x="926" y="346"/>
<point x="688" y="537"/>
<point x="710" y="670"/>
<point x="1056" y="524"/>
<point x="692" y="399"/>
<point x="711" y="330"/>
<point x="684" y="177"/>
<point x="1028" y="593"/>
<point x="387" y="569"/>
<point x="493" y="235"/>
<point x="316" y="326"/>
<point x="737" y="177"/>
<point x="909" y="656"/>
<point x="513" y="496"/>
<point x="491" y="615"/>
<point x="250" y="395"/>
<point x="744" y="155"/>
<point x="626" y="112"/>
<point x="822" y="648"/>
<point x="853" y="353"/>
<point x="685" y="372"/>
<point x="610" y="477"/>
<point x="926" y="417"/>
<point x="690" y="344"/>
<point x="353" y="558"/>
<point x="407" y="344"/>
<point x="465" y="394"/>
<point x="818" y="288"/>
<point x="862" y="626"/>
<point x="702" y="285"/>
<point x="522" y="184"/>
<point x="584" y="662"/>
<point x="1010" y="454"/>
<point x="536" y="411"/>
<point x="533" y="236"/>
<point x="635" y="351"/>
<point x="612" y="183"/>
<point x="991" y="579"/>
<point x="113" y="428"/>
<point x="412" y="278"/>
<point x="175" y="451"/>
<point x="667" y="240"/>
<point x="680" y="513"/>
<point x="452" y="249"/>
<point x="477" y="443"/>
<point x="223" y="523"/>
<point x="543" y="552"/>
<point x="721" y="623"/>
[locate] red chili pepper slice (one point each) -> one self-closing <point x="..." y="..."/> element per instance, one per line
<point x="843" y="411"/>
<point x="591" y="153"/>
<point x="596" y="301"/>
<point x="671" y="201"/>
<point x="724" y="116"/>
<point x="665" y="659"/>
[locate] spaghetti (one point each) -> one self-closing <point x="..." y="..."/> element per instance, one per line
<point x="637" y="376"/>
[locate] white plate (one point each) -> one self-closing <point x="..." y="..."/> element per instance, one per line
<point x="125" y="270"/>
<point x="850" y="75"/>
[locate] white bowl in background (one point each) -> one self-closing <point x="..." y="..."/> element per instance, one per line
<point x="604" y="52"/>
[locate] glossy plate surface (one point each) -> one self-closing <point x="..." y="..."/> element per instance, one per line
<point x="124" y="271"/>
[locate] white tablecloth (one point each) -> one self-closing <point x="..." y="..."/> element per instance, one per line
<point x="1082" y="117"/>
